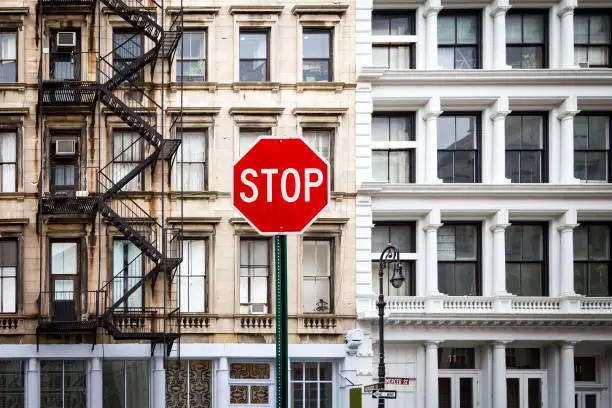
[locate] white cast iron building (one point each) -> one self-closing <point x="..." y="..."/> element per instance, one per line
<point x="483" y="144"/>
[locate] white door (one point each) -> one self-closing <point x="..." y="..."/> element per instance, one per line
<point x="526" y="390"/>
<point x="457" y="389"/>
<point x="587" y="399"/>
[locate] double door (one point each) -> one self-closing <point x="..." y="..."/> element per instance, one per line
<point x="586" y="399"/>
<point x="525" y="390"/>
<point x="458" y="389"/>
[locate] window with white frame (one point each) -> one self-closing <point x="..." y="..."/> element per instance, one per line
<point x="311" y="385"/>
<point x="458" y="147"/>
<point x="592" y="259"/>
<point x="402" y="236"/>
<point x="317" y="270"/>
<point x="254" y="273"/>
<point x="592" y="147"/>
<point x="525" y="378"/>
<point x="191" y="57"/>
<point x="593" y="38"/>
<point x="125" y="383"/>
<point x="459" y="39"/>
<point x="248" y="137"/>
<point x="127" y="155"/>
<point x="192" y="275"/>
<point x="321" y="141"/>
<point x="12" y="383"/>
<point x="526" y="259"/>
<point x="191" y="158"/>
<point x="63" y="384"/>
<point x="393" y="39"/>
<point x="526" y="159"/>
<point x="8" y="162"/>
<point x="189" y="383"/>
<point x="8" y="275"/>
<point x="459" y="271"/>
<point x="8" y="56"/>
<point x="250" y="384"/>
<point x="393" y="147"/>
<point x="526" y="39"/>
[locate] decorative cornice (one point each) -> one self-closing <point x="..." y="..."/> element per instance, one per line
<point x="496" y="321"/>
<point x="256" y="9"/>
<point x="324" y="8"/>
<point x="15" y="111"/>
<point x="193" y="10"/>
<point x="14" y="221"/>
<point x="256" y="111"/>
<point x="194" y="220"/>
<point x="15" y="10"/>
<point x="319" y="111"/>
<point x="195" y="110"/>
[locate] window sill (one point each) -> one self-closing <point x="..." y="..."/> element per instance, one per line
<point x="320" y="86"/>
<point x="256" y="86"/>
<point x="13" y="86"/>
<point x="195" y="195"/>
<point x="12" y="196"/>
<point x="206" y="86"/>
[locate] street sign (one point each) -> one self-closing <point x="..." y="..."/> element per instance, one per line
<point x="397" y="381"/>
<point x="280" y="185"/>
<point x="370" y="388"/>
<point x="384" y="394"/>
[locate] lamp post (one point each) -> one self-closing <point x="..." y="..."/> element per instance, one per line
<point x="390" y="256"/>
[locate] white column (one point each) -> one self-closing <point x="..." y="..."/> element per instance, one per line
<point x="500" y="7"/>
<point x="500" y="223"/>
<point x="566" y="116"/>
<point x="432" y="8"/>
<point x="498" y="117"/>
<point x="431" y="113"/>
<point x="431" y="254"/>
<point x="499" y="375"/>
<point x="431" y="374"/>
<point x="159" y="382"/>
<point x="95" y="377"/>
<point x="566" y="267"/>
<point x="566" y="15"/>
<point x="566" y="375"/>
<point x="222" y="381"/>
<point x="32" y="388"/>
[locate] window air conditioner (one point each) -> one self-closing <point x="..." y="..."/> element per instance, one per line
<point x="65" y="147"/>
<point x="258" y="309"/>
<point x="583" y="64"/>
<point x="82" y="193"/>
<point x="66" y="39"/>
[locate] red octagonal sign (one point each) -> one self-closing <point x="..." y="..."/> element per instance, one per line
<point x="280" y="185"/>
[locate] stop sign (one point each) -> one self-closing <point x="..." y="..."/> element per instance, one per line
<point x="280" y="185"/>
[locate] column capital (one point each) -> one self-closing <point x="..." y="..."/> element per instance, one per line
<point x="569" y="108"/>
<point x="500" y="7"/>
<point x="566" y="7"/>
<point x="568" y="344"/>
<point x="432" y="227"/>
<point x="432" y="8"/>
<point x="500" y="220"/>
<point x="432" y="344"/>
<point x="433" y="219"/>
<point x="568" y="221"/>
<point x="500" y="343"/>
<point x="499" y="227"/>
<point x="432" y="109"/>
<point x="500" y="108"/>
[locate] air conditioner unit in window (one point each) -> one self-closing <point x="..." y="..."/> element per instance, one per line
<point x="66" y="147"/>
<point x="66" y="39"/>
<point x="258" y="309"/>
<point x="583" y="64"/>
<point x="82" y="193"/>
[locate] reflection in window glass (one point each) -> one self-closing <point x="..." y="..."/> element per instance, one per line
<point x="592" y="147"/>
<point x="458" y="259"/>
<point x="458" y="40"/>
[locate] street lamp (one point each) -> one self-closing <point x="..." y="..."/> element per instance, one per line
<point x="390" y="256"/>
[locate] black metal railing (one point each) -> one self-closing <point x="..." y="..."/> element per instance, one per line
<point x="65" y="306"/>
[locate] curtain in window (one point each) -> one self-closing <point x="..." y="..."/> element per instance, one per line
<point x="127" y="153"/>
<point x="319" y="141"/>
<point x="8" y="57"/>
<point x="249" y="137"/>
<point x="193" y="276"/>
<point x="8" y="161"/>
<point x="254" y="266"/>
<point x="192" y="156"/>
<point x="125" y="384"/>
<point x="8" y="276"/>
<point x="317" y="273"/>
<point x="127" y="271"/>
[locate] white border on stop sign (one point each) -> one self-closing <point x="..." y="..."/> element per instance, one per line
<point x="313" y="218"/>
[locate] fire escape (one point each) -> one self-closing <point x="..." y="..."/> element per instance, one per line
<point x="129" y="305"/>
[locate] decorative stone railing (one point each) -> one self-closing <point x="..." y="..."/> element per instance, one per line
<point x="254" y="323"/>
<point x="197" y="323"/>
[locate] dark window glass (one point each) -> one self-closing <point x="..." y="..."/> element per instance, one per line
<point x="513" y="393"/>
<point x="318" y="55"/>
<point x="592" y="259"/>
<point x="191" y="57"/>
<point x="408" y="288"/>
<point x="526" y="39"/>
<point x="12" y="383"/>
<point x="445" y="394"/>
<point x="125" y="384"/>
<point x="311" y="385"/>
<point x="254" y="56"/>
<point x="526" y="260"/>
<point x="458" y="142"/>
<point x="592" y="147"/>
<point x="534" y="393"/>
<point x="401" y="236"/>
<point x="466" y="392"/>
<point x="396" y="22"/>
<point x="456" y="358"/>
<point x="585" y="369"/>
<point x="395" y="164"/>
<point x="128" y="153"/>
<point x="459" y="40"/>
<point x="525" y="148"/>
<point x="127" y="48"/>
<point x="64" y="62"/>
<point x="458" y="259"/>
<point x="63" y="384"/>
<point x="590" y="401"/>
<point x="592" y="39"/>
<point x="523" y="358"/>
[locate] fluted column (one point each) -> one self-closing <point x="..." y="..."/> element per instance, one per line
<point x="432" y="9"/>
<point x="499" y="375"/>
<point x="498" y="164"/>
<point x="566" y="267"/>
<point x="566" y="376"/>
<point x="498" y="227"/>
<point x="431" y="259"/>
<point x="566" y="115"/>
<point x="566" y="15"/>
<point x="431" y="374"/>
<point x="500" y="8"/>
<point x="431" y="113"/>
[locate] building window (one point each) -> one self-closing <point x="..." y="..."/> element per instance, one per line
<point x="585" y="369"/>
<point x="127" y="155"/>
<point x="592" y="259"/>
<point x="526" y="40"/>
<point x="191" y="57"/>
<point x="526" y="148"/>
<point x="393" y="146"/>
<point x="458" y="143"/>
<point x="592" y="148"/>
<point x="311" y="385"/>
<point x="456" y="358"/>
<point x="254" y="48"/>
<point x="189" y="383"/>
<point x="526" y="271"/>
<point x="12" y="383"/>
<point x="318" y="268"/>
<point x="248" y="137"/>
<point x="318" y="55"/>
<point x="191" y="158"/>
<point x="403" y="237"/>
<point x="127" y="272"/>
<point x="254" y="273"/>
<point x="64" y="62"/>
<point x="64" y="279"/>
<point x="8" y="161"/>
<point x="63" y="384"/>
<point x="8" y="57"/>
<point x="192" y="273"/>
<point x="125" y="383"/>
<point x="127" y="48"/>
<point x="8" y="275"/>
<point x="391" y="43"/>
<point x="523" y="358"/>
<point x="322" y="142"/>
<point x="458" y="40"/>
<point x="459" y="259"/>
<point x="593" y="39"/>
<point x="250" y="384"/>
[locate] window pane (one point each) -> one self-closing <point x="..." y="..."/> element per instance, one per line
<point x="581" y="242"/>
<point x="599" y="56"/>
<point x="446" y="132"/>
<point x="316" y="44"/>
<point x="512" y="166"/>
<point x="513" y="393"/>
<point x="401" y="25"/>
<point x="399" y="166"/>
<point x="465" y="167"/>
<point x="446" y="166"/>
<point x="446" y="29"/>
<point x="8" y="252"/>
<point x="580" y="278"/>
<point x="401" y="237"/>
<point x="465" y="279"/>
<point x="316" y="71"/>
<point x="465" y="131"/>
<point x="380" y="165"/>
<point x="380" y="24"/>
<point x="401" y="129"/>
<point x="513" y="126"/>
<point x="514" y="56"/>
<point x="581" y="132"/>
<point x="8" y="72"/>
<point x="599" y="32"/>
<point x="598" y="276"/>
<point x="523" y="358"/>
<point x="446" y="57"/>
<point x="465" y="57"/>
<point x="253" y="45"/>
<point x="466" y="242"/>
<point x="466" y="390"/>
<point x="596" y="165"/>
<point x="12" y="383"/>
<point x="380" y="56"/>
<point x="514" y="243"/>
<point x="444" y="393"/>
<point x="533" y="29"/>
<point x="599" y="132"/>
<point x="532" y="132"/>
<point x="380" y="237"/>
<point x="64" y="258"/>
<point x="399" y="57"/>
<point x="533" y="241"/>
<point x="599" y="242"/>
<point x="531" y="280"/>
<point x="467" y="30"/>
<point x="380" y="128"/>
<point x="513" y="278"/>
<point x="137" y="383"/>
<point x="531" y="167"/>
<point x="253" y="70"/>
<point x="191" y="71"/>
<point x="446" y="277"/>
<point x="446" y="243"/>
<point x="534" y="393"/>
<point x="580" y="165"/>
<point x="581" y="29"/>
<point x="585" y="369"/>
<point x="248" y="137"/>
<point x="113" y="384"/>
<point x="514" y="29"/>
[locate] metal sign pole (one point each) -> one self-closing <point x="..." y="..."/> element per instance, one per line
<point x="282" y="355"/>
